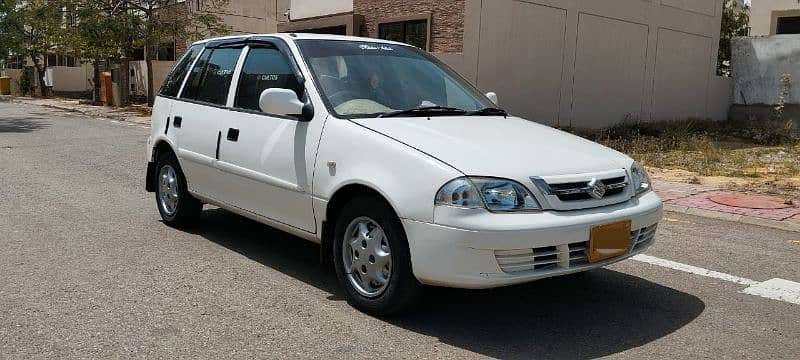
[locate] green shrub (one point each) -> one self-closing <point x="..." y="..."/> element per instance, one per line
<point x="26" y="86"/>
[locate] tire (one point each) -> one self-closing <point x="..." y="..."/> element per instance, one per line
<point x="170" y="184"/>
<point x="402" y="290"/>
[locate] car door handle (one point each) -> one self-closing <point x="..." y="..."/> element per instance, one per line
<point x="233" y="134"/>
<point x="176" y="121"/>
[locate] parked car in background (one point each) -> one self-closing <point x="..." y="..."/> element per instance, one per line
<point x="402" y="171"/>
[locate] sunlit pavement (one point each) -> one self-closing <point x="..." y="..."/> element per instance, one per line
<point x="88" y="271"/>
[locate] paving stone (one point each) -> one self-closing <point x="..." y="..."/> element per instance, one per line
<point x="703" y="201"/>
<point x="750" y="201"/>
<point x="668" y="190"/>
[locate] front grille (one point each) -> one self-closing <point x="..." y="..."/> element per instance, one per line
<point x="581" y="191"/>
<point x="562" y="256"/>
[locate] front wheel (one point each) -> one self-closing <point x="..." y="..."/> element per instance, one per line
<point x="177" y="207"/>
<point x="372" y="259"/>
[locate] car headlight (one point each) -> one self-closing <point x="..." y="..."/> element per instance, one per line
<point x="641" y="181"/>
<point x="492" y="193"/>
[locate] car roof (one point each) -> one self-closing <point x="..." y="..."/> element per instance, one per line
<point x="303" y="36"/>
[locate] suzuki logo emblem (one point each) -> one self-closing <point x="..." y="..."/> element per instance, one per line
<point x="597" y="189"/>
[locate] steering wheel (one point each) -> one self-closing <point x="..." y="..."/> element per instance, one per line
<point x="341" y="96"/>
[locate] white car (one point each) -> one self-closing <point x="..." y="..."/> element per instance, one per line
<point x="402" y="171"/>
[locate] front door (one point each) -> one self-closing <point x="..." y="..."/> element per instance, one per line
<point x="263" y="155"/>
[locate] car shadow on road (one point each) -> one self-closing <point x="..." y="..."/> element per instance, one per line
<point x="21" y="124"/>
<point x="587" y="315"/>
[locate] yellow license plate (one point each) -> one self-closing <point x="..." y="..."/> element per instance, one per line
<point x="608" y="241"/>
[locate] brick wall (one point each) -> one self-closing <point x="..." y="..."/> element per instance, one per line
<point x="447" y="19"/>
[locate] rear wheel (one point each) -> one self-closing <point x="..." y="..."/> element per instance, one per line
<point x="372" y="259"/>
<point x="177" y="207"/>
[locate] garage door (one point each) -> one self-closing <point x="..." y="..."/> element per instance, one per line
<point x="520" y="57"/>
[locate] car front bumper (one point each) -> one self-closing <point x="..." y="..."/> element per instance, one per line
<point x="478" y="249"/>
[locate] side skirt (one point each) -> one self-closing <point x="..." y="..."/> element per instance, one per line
<point x="264" y="220"/>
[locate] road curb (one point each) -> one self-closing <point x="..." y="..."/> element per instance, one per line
<point x="82" y="112"/>
<point x="780" y="225"/>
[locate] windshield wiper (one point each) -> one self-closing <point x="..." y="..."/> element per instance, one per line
<point x="424" y="111"/>
<point x="489" y="111"/>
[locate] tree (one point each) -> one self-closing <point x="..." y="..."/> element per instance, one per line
<point x="100" y="30"/>
<point x="735" y="20"/>
<point x="9" y="33"/>
<point x="35" y="28"/>
<point x="167" y="20"/>
<point x="107" y="30"/>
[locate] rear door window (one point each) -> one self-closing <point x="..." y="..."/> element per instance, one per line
<point x="211" y="77"/>
<point x="193" y="82"/>
<point x="175" y="79"/>
<point x="264" y="68"/>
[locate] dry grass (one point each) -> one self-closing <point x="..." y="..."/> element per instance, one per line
<point x="764" y="156"/>
<point x="142" y="109"/>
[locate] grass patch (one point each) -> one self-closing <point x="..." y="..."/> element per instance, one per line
<point x="709" y="148"/>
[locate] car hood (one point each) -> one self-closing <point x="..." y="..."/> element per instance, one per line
<point x="497" y="146"/>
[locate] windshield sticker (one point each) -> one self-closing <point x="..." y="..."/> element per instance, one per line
<point x="371" y="47"/>
<point x="268" y="77"/>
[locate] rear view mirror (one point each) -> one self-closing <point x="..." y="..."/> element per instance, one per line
<point x="279" y="101"/>
<point x="493" y="97"/>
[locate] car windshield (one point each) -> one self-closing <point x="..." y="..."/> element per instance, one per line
<point x="367" y="79"/>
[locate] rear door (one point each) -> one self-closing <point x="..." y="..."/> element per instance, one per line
<point x="167" y="95"/>
<point x="197" y="118"/>
<point x="263" y="155"/>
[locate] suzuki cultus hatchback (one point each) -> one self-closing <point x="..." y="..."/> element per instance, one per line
<point x="402" y="171"/>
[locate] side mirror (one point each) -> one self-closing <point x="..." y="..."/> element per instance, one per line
<point x="281" y="102"/>
<point x="493" y="97"/>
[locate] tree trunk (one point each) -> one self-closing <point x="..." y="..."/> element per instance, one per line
<point x="148" y="53"/>
<point x="150" y="92"/>
<point x="96" y="80"/>
<point x="40" y="69"/>
<point x="124" y="83"/>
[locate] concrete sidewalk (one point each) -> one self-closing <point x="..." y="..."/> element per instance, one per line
<point x="678" y="197"/>
<point x="128" y="114"/>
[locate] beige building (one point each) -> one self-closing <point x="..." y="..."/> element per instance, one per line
<point x="774" y="17"/>
<point x="330" y="17"/>
<point x="251" y="16"/>
<point x="578" y="63"/>
<point x="563" y="62"/>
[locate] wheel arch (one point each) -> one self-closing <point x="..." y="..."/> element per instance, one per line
<point x="161" y="146"/>
<point x="337" y="201"/>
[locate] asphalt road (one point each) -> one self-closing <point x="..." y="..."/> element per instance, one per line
<point x="87" y="270"/>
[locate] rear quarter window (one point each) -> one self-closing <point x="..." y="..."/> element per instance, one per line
<point x="174" y="81"/>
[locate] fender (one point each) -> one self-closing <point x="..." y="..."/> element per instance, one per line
<point x="150" y="177"/>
